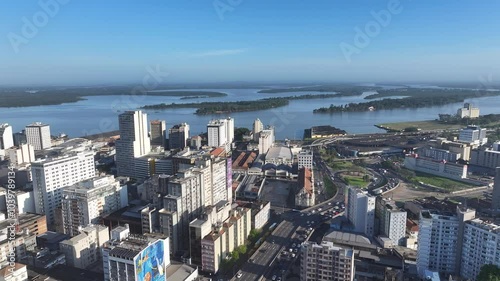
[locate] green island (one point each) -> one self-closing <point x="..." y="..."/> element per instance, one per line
<point x="16" y="97"/>
<point x="205" y="108"/>
<point x="340" y="89"/>
<point x="414" y="98"/>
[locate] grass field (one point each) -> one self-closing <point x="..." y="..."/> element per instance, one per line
<point x="444" y="183"/>
<point x="427" y="125"/>
<point x="330" y="188"/>
<point x="355" y="181"/>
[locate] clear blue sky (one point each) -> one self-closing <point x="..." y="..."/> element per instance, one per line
<point x="98" y="41"/>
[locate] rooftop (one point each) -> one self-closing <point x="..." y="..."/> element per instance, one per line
<point x="279" y="152"/>
<point x="179" y="271"/>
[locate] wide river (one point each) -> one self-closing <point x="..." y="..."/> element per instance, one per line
<point x="99" y="114"/>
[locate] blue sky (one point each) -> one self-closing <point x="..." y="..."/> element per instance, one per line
<point x="94" y="42"/>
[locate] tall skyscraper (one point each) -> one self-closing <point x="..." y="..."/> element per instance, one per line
<point x="360" y="210"/>
<point x="495" y="199"/>
<point x="6" y="136"/>
<point x="158" y="136"/>
<point x="20" y="138"/>
<point x="85" y="202"/>
<point x="51" y="175"/>
<point x="257" y="128"/>
<point x="178" y="136"/>
<point x="38" y="135"/>
<point x="134" y="141"/>
<point x="326" y="261"/>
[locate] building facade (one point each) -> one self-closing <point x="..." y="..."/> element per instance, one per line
<point x="305" y="159"/>
<point x="6" y="136"/>
<point x="392" y="220"/>
<point x="439" y="168"/>
<point x="473" y="135"/>
<point x="178" y="136"/>
<point x="360" y="211"/>
<point x="51" y="175"/>
<point x="134" y="141"/>
<point x="24" y="154"/>
<point x="38" y="135"/>
<point x="87" y="201"/>
<point x="157" y="129"/>
<point x="257" y="128"/>
<point x="84" y="249"/>
<point x="326" y="261"/>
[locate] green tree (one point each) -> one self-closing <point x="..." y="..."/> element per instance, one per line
<point x="489" y="272"/>
<point x="235" y="255"/>
<point x="240" y="132"/>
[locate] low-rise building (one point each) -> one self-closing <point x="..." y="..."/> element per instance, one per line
<point x="14" y="272"/>
<point x="485" y="158"/>
<point x="305" y="196"/>
<point x="84" y="249"/>
<point x="434" y="167"/>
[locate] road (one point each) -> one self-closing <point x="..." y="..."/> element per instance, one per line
<point x="262" y="265"/>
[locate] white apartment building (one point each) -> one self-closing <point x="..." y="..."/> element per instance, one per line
<point x="6" y="136"/>
<point x="392" y="220"/>
<point x="87" y="201"/>
<point x="51" y="175"/>
<point x="440" y="240"/>
<point x="220" y="132"/>
<point x="38" y="135"/>
<point x="480" y="246"/>
<point x="266" y="140"/>
<point x="84" y="249"/>
<point x="305" y="159"/>
<point x="257" y="128"/>
<point x="24" y="154"/>
<point x="136" y="258"/>
<point x="474" y="135"/>
<point x="134" y="141"/>
<point x="325" y="262"/>
<point x="468" y="111"/>
<point x="360" y="210"/>
<point x="485" y="158"/>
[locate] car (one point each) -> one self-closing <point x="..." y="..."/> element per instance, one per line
<point x="320" y="209"/>
<point x="294" y="245"/>
<point x="329" y="203"/>
<point x="274" y="278"/>
<point x="293" y="255"/>
<point x="239" y="275"/>
<point x="250" y="260"/>
<point x="279" y="279"/>
<point x="295" y="250"/>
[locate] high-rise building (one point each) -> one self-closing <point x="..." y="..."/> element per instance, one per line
<point x="84" y="249"/>
<point x="360" y="210"/>
<point x="134" y="141"/>
<point x="495" y="198"/>
<point x="158" y="136"/>
<point x="51" y="175"/>
<point x="257" y="128"/>
<point x="440" y="239"/>
<point x="6" y="136"/>
<point x="135" y="258"/>
<point x="178" y="136"/>
<point x="480" y="246"/>
<point x="87" y="201"/>
<point x="326" y="261"/>
<point x="392" y="220"/>
<point x="25" y="154"/>
<point x="266" y="140"/>
<point x="220" y="132"/>
<point x="305" y="159"/>
<point x="474" y="135"/>
<point x="38" y="135"/>
<point x="20" y="138"/>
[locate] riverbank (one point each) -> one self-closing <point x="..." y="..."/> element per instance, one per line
<point x="426" y="125"/>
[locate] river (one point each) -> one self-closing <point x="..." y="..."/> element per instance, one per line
<point x="99" y="114"/>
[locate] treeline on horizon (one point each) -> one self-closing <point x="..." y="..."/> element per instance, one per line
<point x="50" y="96"/>
<point x="414" y="98"/>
